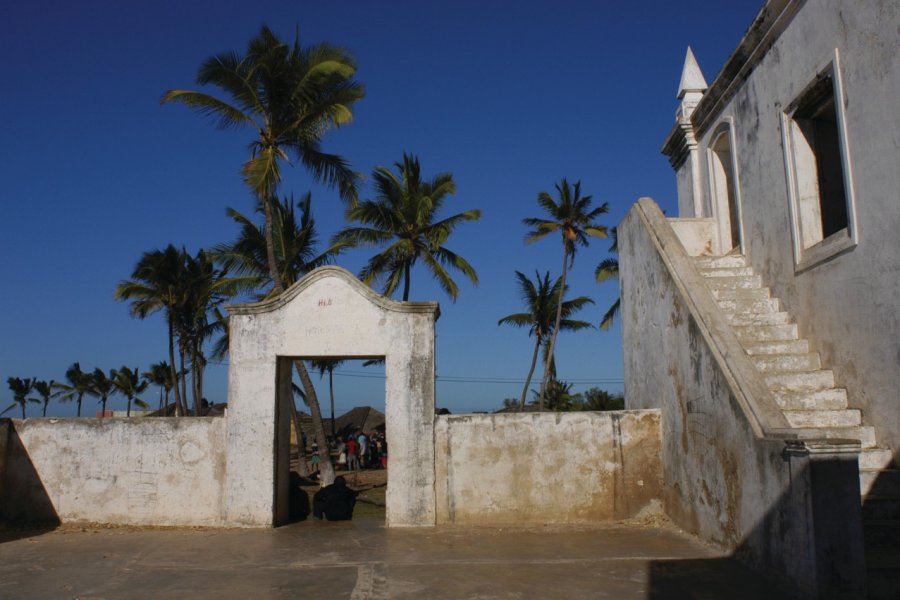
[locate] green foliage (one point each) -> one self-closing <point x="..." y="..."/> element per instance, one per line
<point x="20" y="389"/>
<point x="541" y="300"/>
<point x="102" y="386"/>
<point x="45" y="390"/>
<point x="290" y="96"/>
<point x="606" y="270"/>
<point x="78" y="383"/>
<point x="128" y="382"/>
<point x="404" y="218"/>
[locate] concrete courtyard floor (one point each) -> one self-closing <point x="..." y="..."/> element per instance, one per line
<point x="362" y="560"/>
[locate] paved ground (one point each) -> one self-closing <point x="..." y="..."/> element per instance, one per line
<point x="362" y="560"/>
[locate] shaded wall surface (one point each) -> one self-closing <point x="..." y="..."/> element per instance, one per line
<point x="120" y="471"/>
<point x="731" y="472"/>
<point x="546" y="467"/>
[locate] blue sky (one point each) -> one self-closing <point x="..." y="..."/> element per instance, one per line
<point x="508" y="97"/>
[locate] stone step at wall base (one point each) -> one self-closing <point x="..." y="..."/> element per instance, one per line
<point x="882" y="484"/>
<point x="799" y="381"/>
<point x="744" y="282"/>
<point x="727" y="271"/>
<point x="880" y="509"/>
<point x="766" y="333"/>
<point x="864" y="433"/>
<point x="800" y="346"/>
<point x="768" y="318"/>
<point x="787" y="362"/>
<point x="823" y="418"/>
<point x="753" y="294"/>
<point x="876" y="459"/>
<point x="720" y="262"/>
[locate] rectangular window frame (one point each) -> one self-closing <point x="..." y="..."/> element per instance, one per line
<point x="844" y="239"/>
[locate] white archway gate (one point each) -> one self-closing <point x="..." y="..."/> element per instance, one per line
<point x="328" y="313"/>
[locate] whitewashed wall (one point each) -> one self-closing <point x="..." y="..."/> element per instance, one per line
<point x="546" y="467"/>
<point x="138" y="471"/>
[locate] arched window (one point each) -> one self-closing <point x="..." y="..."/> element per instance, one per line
<point x="724" y="189"/>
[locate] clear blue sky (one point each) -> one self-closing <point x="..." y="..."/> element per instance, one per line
<point x="509" y="97"/>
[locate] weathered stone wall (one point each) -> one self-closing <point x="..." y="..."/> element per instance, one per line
<point x="728" y="474"/>
<point x="546" y="467"/>
<point x="135" y="471"/>
<point x="849" y="305"/>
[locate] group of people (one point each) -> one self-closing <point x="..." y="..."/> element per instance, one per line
<point x="360" y="451"/>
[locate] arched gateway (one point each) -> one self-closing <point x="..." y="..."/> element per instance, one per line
<point x="328" y="313"/>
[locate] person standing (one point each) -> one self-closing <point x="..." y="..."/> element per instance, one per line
<point x="352" y="454"/>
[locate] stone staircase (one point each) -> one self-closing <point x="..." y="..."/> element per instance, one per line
<point x="811" y="402"/>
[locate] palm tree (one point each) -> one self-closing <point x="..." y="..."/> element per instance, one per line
<point x="45" y="389"/>
<point x="155" y="285"/>
<point x="606" y="270"/>
<point x="295" y="242"/>
<point x="328" y="365"/>
<point x="128" y="382"/>
<point x="573" y="218"/>
<point x="559" y="395"/>
<point x="161" y="375"/>
<point x="291" y="96"/>
<point x="79" y="384"/>
<point x="541" y="300"/>
<point x="102" y="386"/>
<point x="403" y="217"/>
<point x="20" y="389"/>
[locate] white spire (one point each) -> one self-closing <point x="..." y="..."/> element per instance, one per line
<point x="691" y="77"/>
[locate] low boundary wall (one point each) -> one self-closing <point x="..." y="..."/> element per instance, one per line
<point x="546" y="467"/>
<point x="134" y="471"/>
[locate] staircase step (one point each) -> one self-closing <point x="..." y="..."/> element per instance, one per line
<point x="864" y="433"/>
<point x="877" y="509"/>
<point x="744" y="282"/>
<point x="882" y="582"/>
<point x="800" y="381"/>
<point x="766" y="333"/>
<point x="741" y="294"/>
<point x="884" y="484"/>
<point x="776" y="347"/>
<point x="848" y="417"/>
<point x="720" y="262"/>
<point x="741" y="306"/>
<point x="876" y="458"/>
<point x="827" y="399"/>
<point x="727" y="272"/>
<point x="788" y="362"/>
<point x="770" y="318"/>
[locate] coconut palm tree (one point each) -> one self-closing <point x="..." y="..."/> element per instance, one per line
<point x="404" y="217"/>
<point x="606" y="270"/>
<point x="102" y="386"/>
<point x="45" y="389"/>
<point x="79" y="384"/>
<point x="290" y="96"/>
<point x="573" y="218"/>
<point x="541" y="300"/>
<point x="328" y="365"/>
<point x="161" y="375"/>
<point x="296" y="253"/>
<point x="128" y="382"/>
<point x="20" y="389"/>
<point x="155" y="285"/>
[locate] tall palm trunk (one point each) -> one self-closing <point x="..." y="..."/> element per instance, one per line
<point x="537" y="347"/>
<point x="331" y="393"/>
<point x="80" y="396"/>
<point x="406" y="270"/>
<point x="181" y="359"/>
<point x="326" y="469"/>
<point x="559" y="307"/>
<point x="172" y="368"/>
<point x="128" y="411"/>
